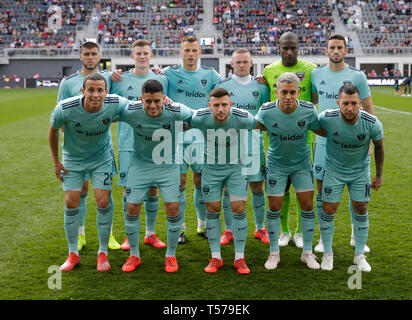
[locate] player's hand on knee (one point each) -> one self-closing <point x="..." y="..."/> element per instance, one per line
<point x="116" y="75"/>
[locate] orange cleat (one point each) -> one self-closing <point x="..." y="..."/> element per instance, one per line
<point x="132" y="263"/>
<point x="213" y="266"/>
<point x="262" y="234"/>
<point x="125" y="244"/>
<point x="154" y="241"/>
<point x="226" y="238"/>
<point x="171" y="264"/>
<point x="241" y="266"/>
<point x="102" y="262"/>
<point x="71" y="262"/>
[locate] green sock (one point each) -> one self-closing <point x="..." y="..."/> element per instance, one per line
<point x="259" y="208"/>
<point x="214" y="230"/>
<point x="151" y="206"/>
<point x="308" y="230"/>
<point x="273" y="223"/>
<point x="173" y="226"/>
<point x="71" y="227"/>
<point x="83" y="208"/>
<point x="227" y="211"/>
<point x="240" y="231"/>
<point x="104" y="222"/>
<point x="182" y="202"/>
<point x="360" y="230"/>
<point x="284" y="212"/>
<point x="298" y="217"/>
<point x="200" y="204"/>
<point x="326" y="226"/>
<point x="132" y="228"/>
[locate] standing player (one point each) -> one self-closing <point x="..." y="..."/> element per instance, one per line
<point x="326" y="82"/>
<point x="288" y="122"/>
<point x="397" y="77"/>
<point x="70" y="87"/>
<point x="145" y="170"/>
<point x="349" y="133"/>
<point x="247" y="94"/>
<point x="87" y="149"/>
<point x="407" y="83"/>
<point x="288" y="48"/>
<point x="130" y="88"/>
<point x="222" y="169"/>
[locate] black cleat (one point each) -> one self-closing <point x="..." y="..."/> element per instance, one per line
<point x="182" y="237"/>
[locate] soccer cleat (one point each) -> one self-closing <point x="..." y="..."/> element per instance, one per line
<point x="113" y="244"/>
<point x="241" y="266"/>
<point x="319" y="246"/>
<point x="284" y="239"/>
<point x="202" y="232"/>
<point x="272" y="262"/>
<point x="171" y="264"/>
<point x="298" y="240"/>
<point x="366" y="249"/>
<point x="226" y="238"/>
<point x="403" y="95"/>
<point x="360" y="261"/>
<point x="213" y="266"/>
<point x="327" y="261"/>
<point x="409" y="95"/>
<point x="131" y="264"/>
<point x="262" y="234"/>
<point x="71" y="262"/>
<point x="125" y="244"/>
<point x="182" y="237"/>
<point x="154" y="241"/>
<point x="81" y="242"/>
<point x="102" y="262"/>
<point x="310" y="259"/>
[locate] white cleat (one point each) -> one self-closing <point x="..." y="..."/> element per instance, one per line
<point x="284" y="239"/>
<point x="327" y="261"/>
<point x="366" y="249"/>
<point x="298" y="240"/>
<point x="310" y="259"/>
<point x="360" y="261"/>
<point x="272" y="262"/>
<point x="319" y="246"/>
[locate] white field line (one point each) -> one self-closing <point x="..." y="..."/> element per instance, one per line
<point x="391" y="110"/>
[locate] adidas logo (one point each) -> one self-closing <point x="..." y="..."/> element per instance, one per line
<point x="231" y="94"/>
<point x="180" y="81"/>
<point x="275" y="125"/>
<point x="130" y="88"/>
<point x="336" y="134"/>
<point x="322" y="83"/>
<point x="78" y="124"/>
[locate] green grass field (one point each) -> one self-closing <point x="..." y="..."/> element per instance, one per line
<point x="32" y="236"/>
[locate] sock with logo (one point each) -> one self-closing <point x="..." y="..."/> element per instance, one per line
<point x="132" y="228"/>
<point x="298" y="217"/>
<point x="239" y="231"/>
<point x="273" y="226"/>
<point x="173" y="227"/>
<point x="259" y="208"/>
<point x="227" y="211"/>
<point x="71" y="228"/>
<point x="214" y="229"/>
<point x="308" y="228"/>
<point x="284" y="212"/>
<point x="360" y="230"/>
<point x="104" y="222"/>
<point x="327" y="227"/>
<point x="83" y="209"/>
<point x="200" y="204"/>
<point x="182" y="204"/>
<point x="151" y="207"/>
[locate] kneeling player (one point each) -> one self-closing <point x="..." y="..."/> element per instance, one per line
<point x="349" y="132"/>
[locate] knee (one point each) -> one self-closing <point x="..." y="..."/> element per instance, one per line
<point x="172" y="209"/>
<point x="329" y="208"/>
<point x="360" y="208"/>
<point x="256" y="186"/>
<point x="133" y="209"/>
<point x="72" y="203"/>
<point x="306" y="205"/>
<point x="197" y="179"/>
<point x="102" y="202"/>
<point x="213" y="207"/>
<point x="182" y="180"/>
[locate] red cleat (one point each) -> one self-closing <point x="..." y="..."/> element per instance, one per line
<point x="262" y="234"/>
<point x="125" y="244"/>
<point x="154" y="241"/>
<point x="71" y="262"/>
<point x="226" y="238"/>
<point x="102" y="262"/>
<point x="213" y="266"/>
<point x="241" y="266"/>
<point x="131" y="264"/>
<point x="171" y="264"/>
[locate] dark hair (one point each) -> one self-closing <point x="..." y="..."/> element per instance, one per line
<point x="152" y="86"/>
<point x="218" y="93"/>
<point x="95" y="77"/>
<point x="89" y="45"/>
<point x="348" y="88"/>
<point x="337" y="37"/>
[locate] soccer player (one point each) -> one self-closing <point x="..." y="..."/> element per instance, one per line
<point x="349" y="132"/>
<point x="146" y="168"/>
<point x="247" y="94"/>
<point x="397" y="77"/>
<point x="70" y="87"/>
<point x="288" y="48"/>
<point x="220" y="124"/>
<point x="407" y="83"/>
<point x="288" y="121"/>
<point x="130" y="88"/>
<point x="326" y="82"/>
<point x="87" y="149"/>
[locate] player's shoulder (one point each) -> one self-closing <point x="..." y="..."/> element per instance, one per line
<point x="268" y="106"/>
<point x="225" y="81"/>
<point x="307" y="64"/>
<point x="306" y="104"/>
<point x="72" y="76"/>
<point x="239" y="113"/>
<point x="134" y="105"/>
<point x="70" y="103"/>
<point x="175" y="68"/>
<point x="112" y="98"/>
<point x="353" y="69"/>
<point x="368" y="117"/>
<point x="173" y="107"/>
<point x="202" y="112"/>
<point x="207" y="68"/>
<point x="320" y="68"/>
<point x="330" y="113"/>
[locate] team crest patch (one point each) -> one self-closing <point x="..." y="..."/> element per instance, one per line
<point x="106" y="121"/>
<point x="300" y="75"/>
<point x="327" y="191"/>
<point x="301" y="124"/>
<point x="318" y="168"/>
<point x="272" y="182"/>
<point x="203" y="82"/>
<point x="206" y="190"/>
<point x="361" y="136"/>
<point x="255" y="94"/>
<point x="179" y="90"/>
<point x="128" y="191"/>
<point x="123" y="176"/>
<point x="166" y="126"/>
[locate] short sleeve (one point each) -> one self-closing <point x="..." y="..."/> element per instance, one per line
<point x="312" y="80"/>
<point x="363" y="87"/>
<point x="56" y="118"/>
<point x="377" y="132"/>
<point x="314" y="123"/>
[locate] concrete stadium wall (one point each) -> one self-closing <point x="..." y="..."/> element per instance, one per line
<point x="47" y="68"/>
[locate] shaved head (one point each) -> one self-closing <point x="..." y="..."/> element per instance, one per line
<point x="289" y="36"/>
<point x="288" y="48"/>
